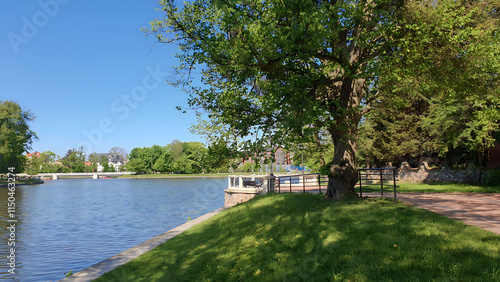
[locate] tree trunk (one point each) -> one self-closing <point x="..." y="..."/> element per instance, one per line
<point x="343" y="174"/>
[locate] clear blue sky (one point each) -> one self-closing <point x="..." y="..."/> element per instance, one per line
<point x="90" y="75"/>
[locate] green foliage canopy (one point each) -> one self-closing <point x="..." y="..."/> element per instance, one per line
<point x="16" y="136"/>
<point x="445" y="76"/>
<point x="74" y="160"/>
<point x="178" y="157"/>
<point x="278" y="72"/>
<point x="281" y="71"/>
<point x="43" y="164"/>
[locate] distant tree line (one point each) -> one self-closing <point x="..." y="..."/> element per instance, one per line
<point x="180" y="157"/>
<point x="75" y="160"/>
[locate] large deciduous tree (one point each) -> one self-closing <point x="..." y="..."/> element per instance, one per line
<point x="278" y="72"/>
<point x="16" y="136"/>
<point x="144" y="159"/>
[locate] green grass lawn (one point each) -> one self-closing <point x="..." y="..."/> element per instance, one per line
<point x="306" y="237"/>
<point x="432" y="188"/>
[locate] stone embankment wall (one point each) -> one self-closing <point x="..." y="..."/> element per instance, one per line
<point x="425" y="173"/>
<point x="234" y="197"/>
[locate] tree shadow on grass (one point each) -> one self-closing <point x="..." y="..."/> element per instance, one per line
<point x="305" y="237"/>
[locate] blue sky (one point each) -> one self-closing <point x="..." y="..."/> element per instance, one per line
<point x="90" y="75"/>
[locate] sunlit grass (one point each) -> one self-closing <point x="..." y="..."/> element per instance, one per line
<point x="447" y="188"/>
<point x="432" y="188"/>
<point x="307" y="237"/>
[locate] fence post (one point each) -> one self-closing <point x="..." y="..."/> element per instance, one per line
<point x="290" y="184"/>
<point x="279" y="185"/>
<point x="381" y="184"/>
<point x="360" y="183"/>
<point x="319" y="177"/>
<point x="303" y="184"/>
<point x="394" y="179"/>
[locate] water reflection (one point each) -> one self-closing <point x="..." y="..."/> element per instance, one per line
<point x="71" y="224"/>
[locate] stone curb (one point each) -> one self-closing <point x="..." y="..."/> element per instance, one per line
<point x="99" y="269"/>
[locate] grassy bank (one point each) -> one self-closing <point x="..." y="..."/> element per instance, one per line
<point x="433" y="188"/>
<point x="447" y="188"/>
<point x="305" y="237"/>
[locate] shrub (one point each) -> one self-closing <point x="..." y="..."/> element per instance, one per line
<point x="492" y="177"/>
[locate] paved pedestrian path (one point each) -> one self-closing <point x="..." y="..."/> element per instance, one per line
<point x="481" y="210"/>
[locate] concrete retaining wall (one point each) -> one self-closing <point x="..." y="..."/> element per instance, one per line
<point x="234" y="196"/>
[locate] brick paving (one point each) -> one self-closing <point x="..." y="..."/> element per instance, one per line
<point x="481" y="210"/>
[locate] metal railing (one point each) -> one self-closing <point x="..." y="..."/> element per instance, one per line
<point x="369" y="176"/>
<point x="250" y="181"/>
<point x="310" y="183"/>
<point x="314" y="182"/>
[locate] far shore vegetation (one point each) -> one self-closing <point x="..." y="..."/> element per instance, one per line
<point x="5" y="181"/>
<point x="307" y="237"/>
<point x="179" y="175"/>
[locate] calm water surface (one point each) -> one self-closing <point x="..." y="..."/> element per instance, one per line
<point x="71" y="224"/>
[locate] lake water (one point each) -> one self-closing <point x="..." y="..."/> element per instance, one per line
<point x="71" y="224"/>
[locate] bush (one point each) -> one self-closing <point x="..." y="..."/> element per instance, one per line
<point x="247" y="167"/>
<point x="492" y="177"/>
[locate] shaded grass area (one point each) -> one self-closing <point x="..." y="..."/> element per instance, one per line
<point x="306" y="237"/>
<point x="432" y="188"/>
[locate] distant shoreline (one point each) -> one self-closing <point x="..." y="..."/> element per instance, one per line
<point x="166" y="176"/>
<point x="175" y="176"/>
<point x="21" y="182"/>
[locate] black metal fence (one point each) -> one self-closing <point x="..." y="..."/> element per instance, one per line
<point x="305" y="183"/>
<point x="371" y="177"/>
<point x="368" y="178"/>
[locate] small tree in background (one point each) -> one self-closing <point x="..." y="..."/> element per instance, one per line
<point x="74" y="160"/>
